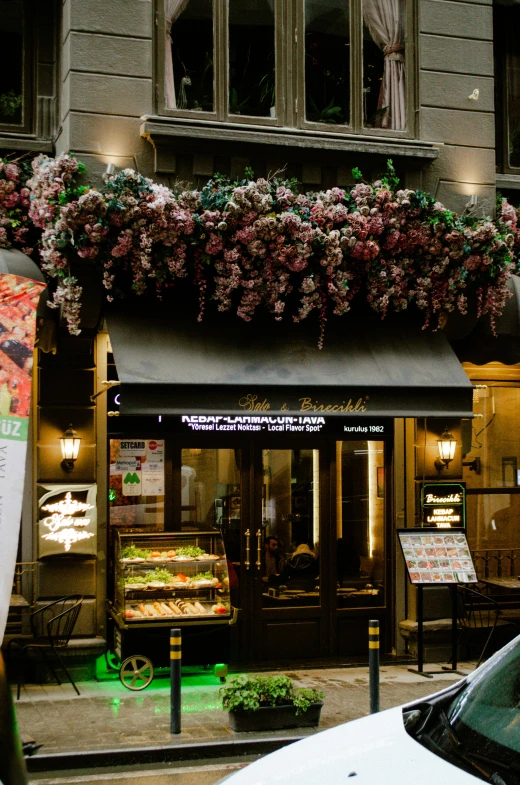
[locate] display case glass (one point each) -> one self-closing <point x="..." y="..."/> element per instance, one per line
<point x="171" y="577"/>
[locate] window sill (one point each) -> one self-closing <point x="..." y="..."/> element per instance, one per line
<point x="160" y="129"/>
<point x="508" y="181"/>
<point x="19" y="142"/>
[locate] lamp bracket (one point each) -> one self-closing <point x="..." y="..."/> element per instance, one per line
<point x="107" y="386"/>
<point x="474" y="465"/>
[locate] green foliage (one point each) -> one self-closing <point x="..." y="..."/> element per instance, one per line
<point x="357" y="174"/>
<point x="9" y="103"/>
<point x="249" y="693"/>
<point x="390" y="179"/>
<point x="329" y="114"/>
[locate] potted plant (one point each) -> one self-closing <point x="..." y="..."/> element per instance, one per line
<point x="269" y="702"/>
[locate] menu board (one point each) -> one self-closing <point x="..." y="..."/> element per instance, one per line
<point x="436" y="556"/>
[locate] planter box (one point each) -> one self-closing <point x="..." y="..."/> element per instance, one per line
<point x="274" y="718"/>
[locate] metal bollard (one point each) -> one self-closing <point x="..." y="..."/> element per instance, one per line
<point x="175" y="680"/>
<point x="373" y="663"/>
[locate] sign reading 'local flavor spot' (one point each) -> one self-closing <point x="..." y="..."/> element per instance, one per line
<point x="443" y="505"/>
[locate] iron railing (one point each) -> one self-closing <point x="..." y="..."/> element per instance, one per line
<point x="497" y="562"/>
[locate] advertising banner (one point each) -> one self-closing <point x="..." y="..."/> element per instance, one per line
<point x="18" y="302"/>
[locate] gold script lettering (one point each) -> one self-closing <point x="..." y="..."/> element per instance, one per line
<point x="307" y="405"/>
<point x="251" y="404"/>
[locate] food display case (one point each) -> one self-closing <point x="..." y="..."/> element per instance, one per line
<point x="165" y="580"/>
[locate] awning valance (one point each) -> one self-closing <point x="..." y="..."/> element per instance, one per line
<point x="480" y="346"/>
<point x="17" y="263"/>
<point x="367" y="368"/>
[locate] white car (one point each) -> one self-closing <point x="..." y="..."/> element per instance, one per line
<point x="468" y="732"/>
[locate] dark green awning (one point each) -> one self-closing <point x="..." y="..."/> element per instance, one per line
<point x="367" y="367"/>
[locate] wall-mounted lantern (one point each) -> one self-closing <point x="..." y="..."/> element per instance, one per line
<point x="70" y="442"/>
<point x="446" y="445"/>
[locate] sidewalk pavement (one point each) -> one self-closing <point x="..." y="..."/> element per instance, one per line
<point x="107" y="716"/>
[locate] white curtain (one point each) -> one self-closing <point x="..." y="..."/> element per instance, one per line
<point x="172" y="10"/>
<point x="385" y="20"/>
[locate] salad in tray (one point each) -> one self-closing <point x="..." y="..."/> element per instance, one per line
<point x="131" y="554"/>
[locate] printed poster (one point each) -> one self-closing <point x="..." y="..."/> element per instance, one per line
<point x="19" y="299"/>
<point x="132" y="483"/>
<point x="152" y="475"/>
<point x="155" y="450"/>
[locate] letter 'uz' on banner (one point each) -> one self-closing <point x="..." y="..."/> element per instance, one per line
<point x="19" y="299"/>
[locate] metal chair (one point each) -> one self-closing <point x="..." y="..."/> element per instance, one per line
<point x="52" y="627"/>
<point x="476" y="612"/>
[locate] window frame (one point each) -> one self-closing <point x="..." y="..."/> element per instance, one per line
<point x="501" y="93"/>
<point x="28" y="75"/>
<point x="289" y="15"/>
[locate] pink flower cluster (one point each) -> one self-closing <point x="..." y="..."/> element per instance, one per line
<point x="260" y="243"/>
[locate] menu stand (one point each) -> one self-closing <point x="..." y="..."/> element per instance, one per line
<point x="420" y="641"/>
<point x="437" y="557"/>
<point x="454" y="633"/>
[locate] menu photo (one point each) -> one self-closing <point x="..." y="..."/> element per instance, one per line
<point x="436" y="556"/>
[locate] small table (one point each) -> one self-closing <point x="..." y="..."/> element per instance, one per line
<point x="509" y="584"/>
<point x="17" y="602"/>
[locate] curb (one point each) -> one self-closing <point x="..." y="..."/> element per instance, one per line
<point x="164" y="754"/>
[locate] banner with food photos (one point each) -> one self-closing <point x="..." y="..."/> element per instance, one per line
<point x="437" y="556"/>
<point x="19" y="299"/>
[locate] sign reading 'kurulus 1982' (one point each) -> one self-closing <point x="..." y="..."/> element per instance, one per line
<point x="443" y="505"/>
<point x="346" y="427"/>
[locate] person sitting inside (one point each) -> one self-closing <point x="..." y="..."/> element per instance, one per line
<point x="302" y="567"/>
<point x="273" y="561"/>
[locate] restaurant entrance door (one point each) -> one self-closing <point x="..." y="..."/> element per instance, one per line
<point x="304" y="527"/>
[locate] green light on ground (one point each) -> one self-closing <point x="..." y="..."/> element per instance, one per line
<point x="115" y="703"/>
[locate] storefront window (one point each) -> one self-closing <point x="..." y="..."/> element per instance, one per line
<point x="327" y="62"/>
<point x="291" y="528"/>
<point x="360" y="505"/>
<point x="210" y="494"/>
<point x="136" y="484"/>
<point x="11" y="62"/>
<point x="251" y="58"/>
<point x="189" y="55"/>
<point x="492" y="481"/>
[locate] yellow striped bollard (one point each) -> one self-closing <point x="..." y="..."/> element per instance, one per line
<point x="373" y="664"/>
<point x="175" y="680"/>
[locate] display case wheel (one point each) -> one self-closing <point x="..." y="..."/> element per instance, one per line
<point x="136" y="672"/>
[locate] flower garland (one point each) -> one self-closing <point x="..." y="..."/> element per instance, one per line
<point x="260" y="243"/>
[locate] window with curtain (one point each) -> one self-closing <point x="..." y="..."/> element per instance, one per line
<point x="189" y="55"/>
<point x="507" y="83"/>
<point x="12" y="63"/>
<point x="326" y="64"/>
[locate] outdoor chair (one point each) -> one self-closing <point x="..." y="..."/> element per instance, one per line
<point x="52" y="627"/>
<point x="477" y="617"/>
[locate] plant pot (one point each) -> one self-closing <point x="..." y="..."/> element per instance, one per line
<point x="274" y="718"/>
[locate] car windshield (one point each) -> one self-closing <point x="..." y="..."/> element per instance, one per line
<point x="485" y="716"/>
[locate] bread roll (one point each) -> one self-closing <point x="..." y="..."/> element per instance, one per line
<point x="177" y="611"/>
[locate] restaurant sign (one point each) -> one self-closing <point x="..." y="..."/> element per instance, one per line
<point x="443" y="505"/>
<point x="342" y="427"/>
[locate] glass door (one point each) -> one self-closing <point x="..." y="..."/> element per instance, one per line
<point x="211" y="497"/>
<point x="290" y="616"/>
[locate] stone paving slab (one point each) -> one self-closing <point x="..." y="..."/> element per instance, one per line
<point x="108" y="716"/>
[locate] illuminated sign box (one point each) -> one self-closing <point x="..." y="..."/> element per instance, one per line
<point x="67" y="520"/>
<point x="443" y="505"/>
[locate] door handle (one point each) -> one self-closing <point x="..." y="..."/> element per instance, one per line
<point x="258" y="549"/>
<point x="247" y="563"/>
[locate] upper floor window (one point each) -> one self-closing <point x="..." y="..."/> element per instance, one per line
<point x="507" y="84"/>
<point x="339" y="65"/>
<point x="12" y="34"/>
